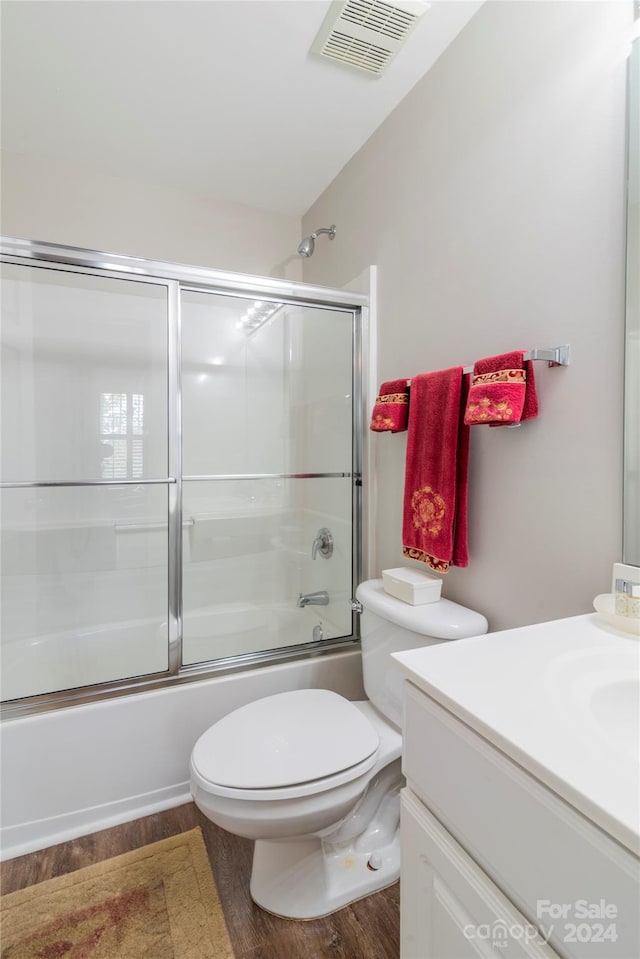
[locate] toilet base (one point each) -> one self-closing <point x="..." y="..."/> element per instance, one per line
<point x="310" y="878"/>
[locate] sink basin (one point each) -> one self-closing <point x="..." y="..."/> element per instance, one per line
<point x="616" y="708"/>
<point x="598" y="691"/>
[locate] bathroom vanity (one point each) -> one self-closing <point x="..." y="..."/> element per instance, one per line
<point x="521" y="814"/>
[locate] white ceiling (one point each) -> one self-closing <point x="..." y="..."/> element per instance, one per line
<point x="219" y="97"/>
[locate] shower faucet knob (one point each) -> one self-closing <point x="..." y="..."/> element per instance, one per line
<point x="323" y="543"/>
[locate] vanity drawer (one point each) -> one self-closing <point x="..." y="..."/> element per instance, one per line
<point x="448" y="906"/>
<point x="546" y="857"/>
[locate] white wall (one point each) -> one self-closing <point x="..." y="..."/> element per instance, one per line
<point x="493" y="202"/>
<point x="58" y="202"/>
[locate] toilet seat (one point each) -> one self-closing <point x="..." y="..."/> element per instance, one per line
<point x="298" y="791"/>
<point x="283" y="746"/>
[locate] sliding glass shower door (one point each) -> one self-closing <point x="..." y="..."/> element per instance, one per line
<point x="85" y="477"/>
<point x="179" y="474"/>
<point x="267" y="464"/>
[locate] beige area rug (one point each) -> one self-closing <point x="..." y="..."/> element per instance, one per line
<point x="158" y="902"/>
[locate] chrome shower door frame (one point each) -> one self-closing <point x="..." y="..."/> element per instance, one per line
<point x="178" y="279"/>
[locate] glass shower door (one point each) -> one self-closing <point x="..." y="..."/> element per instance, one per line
<point x="85" y="480"/>
<point x="267" y="446"/>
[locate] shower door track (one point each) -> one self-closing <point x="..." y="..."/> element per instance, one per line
<point x="194" y="279"/>
<point x="178" y="279"/>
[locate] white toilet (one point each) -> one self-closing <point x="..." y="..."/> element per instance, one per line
<point x="314" y="778"/>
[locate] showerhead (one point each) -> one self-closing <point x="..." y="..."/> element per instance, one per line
<point x="307" y="245"/>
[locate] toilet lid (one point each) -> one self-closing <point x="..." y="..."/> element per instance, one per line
<point x="284" y="740"/>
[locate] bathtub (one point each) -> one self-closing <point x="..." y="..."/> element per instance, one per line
<point x="83" y="657"/>
<point x="229" y="629"/>
<point x="68" y="659"/>
<point x="76" y="770"/>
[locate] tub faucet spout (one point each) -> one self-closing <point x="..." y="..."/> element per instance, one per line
<point x="321" y="598"/>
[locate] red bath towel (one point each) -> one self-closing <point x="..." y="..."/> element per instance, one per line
<point x="434" y="526"/>
<point x="503" y="391"/>
<point x="391" y="409"/>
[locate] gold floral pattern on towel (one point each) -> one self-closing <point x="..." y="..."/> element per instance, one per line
<point x="487" y="410"/>
<point x="437" y="565"/>
<point x="382" y="423"/>
<point x="500" y="376"/>
<point x="393" y="398"/>
<point x="428" y="510"/>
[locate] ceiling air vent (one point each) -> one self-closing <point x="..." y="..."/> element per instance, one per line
<point x="367" y="34"/>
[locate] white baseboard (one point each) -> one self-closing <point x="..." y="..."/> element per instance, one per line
<point x="30" y="836"/>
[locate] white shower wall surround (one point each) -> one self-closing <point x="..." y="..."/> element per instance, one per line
<point x="212" y="431"/>
<point x="251" y="559"/>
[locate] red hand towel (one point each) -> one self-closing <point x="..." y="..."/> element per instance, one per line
<point x="391" y="409"/>
<point x="434" y="527"/>
<point x="503" y="391"/>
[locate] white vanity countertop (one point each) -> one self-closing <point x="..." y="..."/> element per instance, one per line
<point x="559" y="698"/>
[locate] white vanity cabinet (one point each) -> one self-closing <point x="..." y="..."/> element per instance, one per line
<point x="449" y="907"/>
<point x="496" y="863"/>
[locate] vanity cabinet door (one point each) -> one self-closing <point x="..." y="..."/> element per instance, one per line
<point x="449" y="908"/>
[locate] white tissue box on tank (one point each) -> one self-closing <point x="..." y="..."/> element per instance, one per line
<point x="411" y="586"/>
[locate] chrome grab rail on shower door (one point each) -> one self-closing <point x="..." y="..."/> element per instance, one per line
<point x="217" y="477"/>
<point x="45" y="484"/>
<point x="147" y="527"/>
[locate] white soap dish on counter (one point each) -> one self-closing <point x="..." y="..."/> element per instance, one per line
<point x="605" y="605"/>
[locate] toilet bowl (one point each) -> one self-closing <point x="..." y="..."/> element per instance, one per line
<point x="315" y="779"/>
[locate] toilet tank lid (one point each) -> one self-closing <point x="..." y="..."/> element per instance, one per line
<point x="441" y="620"/>
<point x="285" y="740"/>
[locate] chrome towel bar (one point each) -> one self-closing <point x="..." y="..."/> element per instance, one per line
<point x="558" y="356"/>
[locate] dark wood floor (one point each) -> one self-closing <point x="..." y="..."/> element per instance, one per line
<point x="368" y="929"/>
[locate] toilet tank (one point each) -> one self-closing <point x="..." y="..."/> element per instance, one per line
<point x="387" y="625"/>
